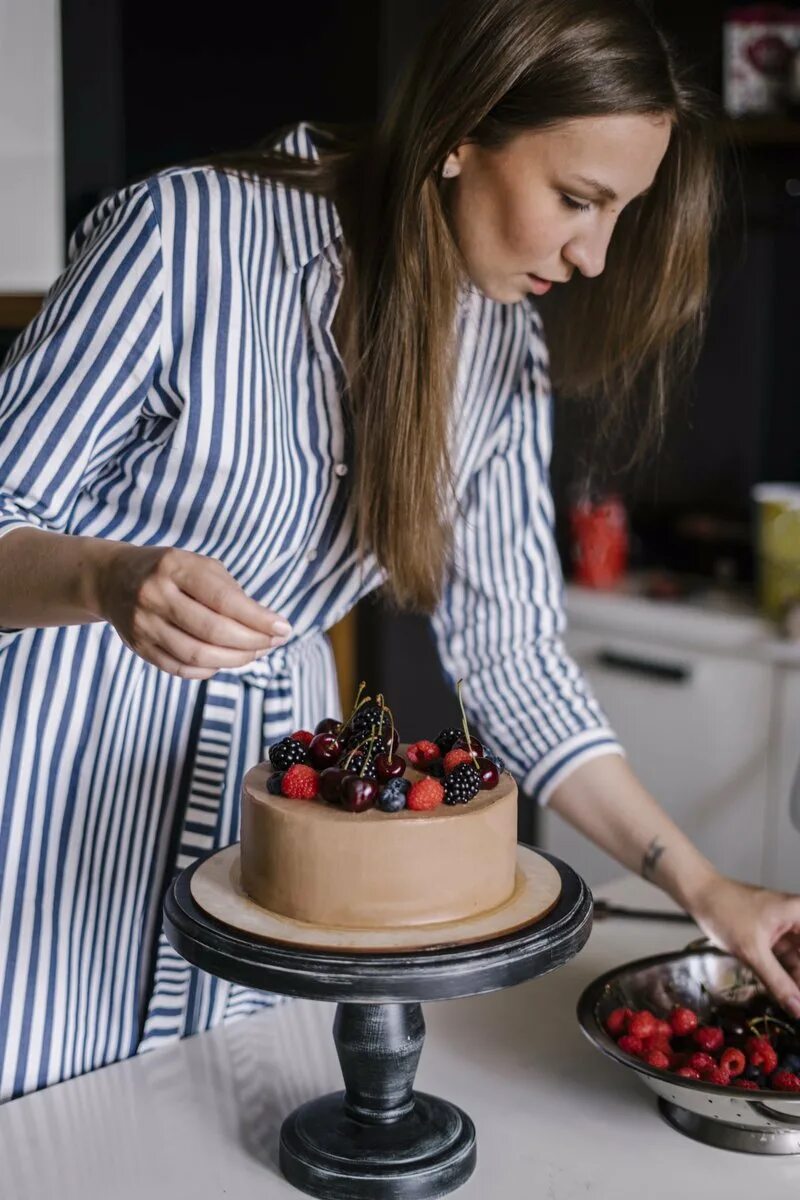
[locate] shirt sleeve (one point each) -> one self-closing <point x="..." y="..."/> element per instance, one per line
<point x="500" y="623"/>
<point x="73" y="383"/>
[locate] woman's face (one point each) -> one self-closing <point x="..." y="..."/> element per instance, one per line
<point x="545" y="205"/>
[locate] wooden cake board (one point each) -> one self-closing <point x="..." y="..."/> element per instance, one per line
<point x="216" y="887"/>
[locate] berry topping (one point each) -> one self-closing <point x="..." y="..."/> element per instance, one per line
<point x="330" y="784"/>
<point x="493" y="758"/>
<point x="490" y="775"/>
<point x="389" y="766"/>
<point x="657" y="1058"/>
<point x="393" y="795"/>
<point x="473" y="744"/>
<point x="425" y="795"/>
<point x="446" y="739"/>
<point x="274" y="783"/>
<point x="761" y="1054"/>
<point x="462" y="784"/>
<point x="358" y="794"/>
<point x="631" y="1044"/>
<point x="748" y="1085"/>
<point x="328" y="725"/>
<point x="688" y="1073"/>
<point x="324" y="750"/>
<point x="286" y="753"/>
<point x="303" y="736"/>
<point x="300" y="782"/>
<point x="454" y="758"/>
<point x="700" y="1061"/>
<point x="717" y="1075"/>
<point x="422" y="753"/>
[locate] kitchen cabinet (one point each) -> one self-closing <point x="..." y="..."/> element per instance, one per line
<point x="709" y="721"/>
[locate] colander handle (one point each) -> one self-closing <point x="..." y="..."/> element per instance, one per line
<point x="764" y="1110"/>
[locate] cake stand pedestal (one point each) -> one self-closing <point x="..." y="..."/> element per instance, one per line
<point x="379" y="1139"/>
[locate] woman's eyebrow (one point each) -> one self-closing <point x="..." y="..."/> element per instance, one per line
<point x="602" y="189"/>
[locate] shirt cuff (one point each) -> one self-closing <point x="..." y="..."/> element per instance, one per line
<point x="542" y="780"/>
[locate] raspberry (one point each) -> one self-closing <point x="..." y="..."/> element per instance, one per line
<point x="709" y="1038"/>
<point x="657" y="1058"/>
<point x="785" y="1081"/>
<point x="302" y="736"/>
<point x="454" y="757"/>
<point x="617" y="1020"/>
<point x="631" y="1044"/>
<point x="655" y="1042"/>
<point x="642" y="1024"/>
<point x="425" y="795"/>
<point x="300" y="782"/>
<point x="717" y="1076"/>
<point x="683" y="1021"/>
<point x="748" y="1085"/>
<point x="421" y="753"/>
<point x="663" y="1029"/>
<point x="733" y="1061"/>
<point x="701" y="1062"/>
<point x="761" y="1054"/>
<point x="688" y="1073"/>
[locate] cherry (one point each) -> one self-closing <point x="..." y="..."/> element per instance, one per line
<point x="330" y="784"/>
<point x="324" y="750"/>
<point x="358" y="794"/>
<point x="475" y="745"/>
<point x="490" y="776"/>
<point x="389" y="767"/>
<point x="328" y="725"/>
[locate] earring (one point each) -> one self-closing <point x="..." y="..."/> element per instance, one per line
<point x="449" y="170"/>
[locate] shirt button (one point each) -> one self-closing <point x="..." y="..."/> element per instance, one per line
<point x="312" y="554"/>
<point x="340" y="469"/>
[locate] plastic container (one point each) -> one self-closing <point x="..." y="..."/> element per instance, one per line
<point x="777" y="547"/>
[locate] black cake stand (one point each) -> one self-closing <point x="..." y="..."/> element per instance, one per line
<point x="379" y="1139"/>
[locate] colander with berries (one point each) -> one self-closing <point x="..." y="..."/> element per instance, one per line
<point x="702" y="1033"/>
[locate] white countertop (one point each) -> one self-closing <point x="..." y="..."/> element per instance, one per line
<point x="555" y="1119"/>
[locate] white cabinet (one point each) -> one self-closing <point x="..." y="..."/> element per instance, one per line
<point x="782" y="840"/>
<point x="690" y="696"/>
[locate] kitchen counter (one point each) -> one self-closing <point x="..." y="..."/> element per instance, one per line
<point x="555" y="1119"/>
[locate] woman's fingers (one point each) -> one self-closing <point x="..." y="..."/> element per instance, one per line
<point x="784" y="988"/>
<point x="207" y="581"/>
<point x="191" y="652"/>
<point x="207" y="625"/>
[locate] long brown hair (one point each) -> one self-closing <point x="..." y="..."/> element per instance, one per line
<point x="486" y="71"/>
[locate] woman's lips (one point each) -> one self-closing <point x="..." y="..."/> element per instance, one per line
<point x="539" y="286"/>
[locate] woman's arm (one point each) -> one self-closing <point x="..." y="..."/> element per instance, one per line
<point x="604" y="800"/>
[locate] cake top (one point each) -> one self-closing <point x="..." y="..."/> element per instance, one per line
<point x="358" y="764"/>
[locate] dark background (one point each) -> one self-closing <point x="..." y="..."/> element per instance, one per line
<point x="148" y="84"/>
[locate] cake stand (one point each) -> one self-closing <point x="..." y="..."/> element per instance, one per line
<point x="378" y="1139"/>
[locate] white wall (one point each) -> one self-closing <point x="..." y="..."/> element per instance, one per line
<point x="31" y="146"/>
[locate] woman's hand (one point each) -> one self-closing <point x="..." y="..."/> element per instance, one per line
<point x="760" y="927"/>
<point x="183" y="612"/>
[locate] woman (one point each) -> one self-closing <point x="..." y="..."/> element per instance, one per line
<point x="200" y="473"/>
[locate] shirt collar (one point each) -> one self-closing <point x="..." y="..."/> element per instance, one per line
<point x="307" y="223"/>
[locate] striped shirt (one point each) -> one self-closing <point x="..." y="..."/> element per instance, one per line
<point x="181" y="387"/>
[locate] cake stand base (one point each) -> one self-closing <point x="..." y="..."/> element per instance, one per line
<point x="379" y="1138"/>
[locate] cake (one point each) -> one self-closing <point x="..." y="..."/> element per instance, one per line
<point x="437" y="843"/>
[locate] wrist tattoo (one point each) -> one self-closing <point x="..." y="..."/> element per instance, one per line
<point x="651" y="856"/>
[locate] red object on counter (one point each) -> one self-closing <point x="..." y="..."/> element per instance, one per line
<point x="599" y="542"/>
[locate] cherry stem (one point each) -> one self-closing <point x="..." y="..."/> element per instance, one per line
<point x="367" y="753"/>
<point x="359" y="703"/>
<point x="465" y="726"/>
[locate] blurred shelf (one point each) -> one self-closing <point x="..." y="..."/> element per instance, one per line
<point x="763" y="131"/>
<point x="18" y="309"/>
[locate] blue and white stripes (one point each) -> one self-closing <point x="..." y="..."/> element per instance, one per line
<point x="181" y="387"/>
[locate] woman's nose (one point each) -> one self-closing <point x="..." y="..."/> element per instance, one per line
<point x="587" y="253"/>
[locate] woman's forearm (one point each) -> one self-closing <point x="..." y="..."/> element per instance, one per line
<point x="50" y="578"/>
<point x="607" y="803"/>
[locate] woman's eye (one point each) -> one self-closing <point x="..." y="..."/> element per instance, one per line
<point x="574" y="204"/>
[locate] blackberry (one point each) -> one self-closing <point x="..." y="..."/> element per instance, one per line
<point x="435" y="768"/>
<point x="462" y="784"/>
<point x="355" y="764"/>
<point x="366" y="717"/>
<point x="446" y="738"/>
<point x="392" y="796"/>
<point x="286" y="753"/>
<point x="274" y="783"/>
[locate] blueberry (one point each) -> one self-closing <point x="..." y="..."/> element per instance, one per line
<point x="274" y="783"/>
<point x="392" y="796"/>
